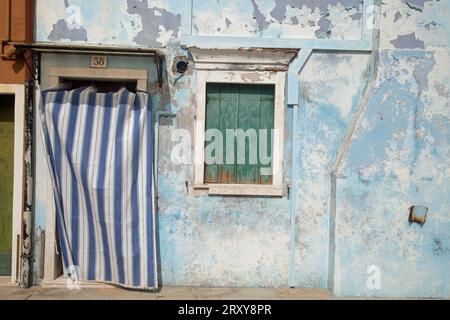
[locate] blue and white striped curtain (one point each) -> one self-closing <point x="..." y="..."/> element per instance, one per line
<point x="100" y="156"/>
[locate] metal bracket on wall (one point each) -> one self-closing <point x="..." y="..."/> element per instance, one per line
<point x="36" y="69"/>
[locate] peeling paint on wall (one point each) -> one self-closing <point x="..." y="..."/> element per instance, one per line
<point x="408" y="41"/>
<point x="308" y="19"/>
<point x="406" y="158"/>
<point x="416" y="4"/>
<point x="158" y="25"/>
<point x="398" y="157"/>
<point x="62" y="32"/>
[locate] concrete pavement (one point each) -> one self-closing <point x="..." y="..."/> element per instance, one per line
<point x="166" y="293"/>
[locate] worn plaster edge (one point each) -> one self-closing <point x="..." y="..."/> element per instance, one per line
<point x="372" y="76"/>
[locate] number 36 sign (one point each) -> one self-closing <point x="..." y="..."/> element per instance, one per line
<point x="99" y="62"/>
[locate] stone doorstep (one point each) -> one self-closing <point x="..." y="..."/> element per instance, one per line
<point x="5" y="281"/>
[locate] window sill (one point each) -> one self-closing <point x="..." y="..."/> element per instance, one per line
<point x="240" y="190"/>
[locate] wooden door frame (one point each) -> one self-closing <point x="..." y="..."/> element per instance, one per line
<point x="55" y="75"/>
<point x="18" y="90"/>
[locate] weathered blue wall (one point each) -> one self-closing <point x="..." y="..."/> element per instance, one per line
<point x="398" y="156"/>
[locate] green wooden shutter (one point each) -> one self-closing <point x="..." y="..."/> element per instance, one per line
<point x="237" y="106"/>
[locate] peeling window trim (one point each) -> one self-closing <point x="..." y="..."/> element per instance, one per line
<point x="222" y="74"/>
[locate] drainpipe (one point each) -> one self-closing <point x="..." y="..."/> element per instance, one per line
<point x="293" y="98"/>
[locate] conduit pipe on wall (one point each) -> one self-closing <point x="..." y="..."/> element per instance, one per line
<point x="158" y="116"/>
<point x="293" y="97"/>
<point x="372" y="73"/>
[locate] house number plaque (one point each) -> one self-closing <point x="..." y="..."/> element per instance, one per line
<point x="99" y="62"/>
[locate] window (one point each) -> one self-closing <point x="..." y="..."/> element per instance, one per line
<point x="237" y="91"/>
<point x="242" y="117"/>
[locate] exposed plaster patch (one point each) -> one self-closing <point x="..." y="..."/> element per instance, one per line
<point x="408" y="41"/>
<point x="227" y="22"/>
<point x="397" y="16"/>
<point x="279" y="11"/>
<point x="324" y="30"/>
<point x="61" y="31"/>
<point x="261" y="20"/>
<point x="225" y="19"/>
<point x="421" y="72"/>
<point x="436" y="96"/>
<point x="164" y="36"/>
<point x="349" y="10"/>
<point x="343" y="26"/>
<point x="438" y="248"/>
<point x="429" y="24"/>
<point x="442" y="90"/>
<point x="416" y="4"/>
<point x="158" y="24"/>
<point x="301" y="19"/>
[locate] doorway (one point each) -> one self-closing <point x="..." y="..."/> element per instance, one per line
<point x="6" y="182"/>
<point x="101" y="86"/>
<point x="105" y="80"/>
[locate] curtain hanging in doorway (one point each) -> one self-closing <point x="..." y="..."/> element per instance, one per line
<point x="100" y="156"/>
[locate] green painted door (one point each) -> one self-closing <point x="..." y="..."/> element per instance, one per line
<point x="6" y="181"/>
<point x="246" y="108"/>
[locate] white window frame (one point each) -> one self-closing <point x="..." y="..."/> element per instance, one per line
<point x="238" y="67"/>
